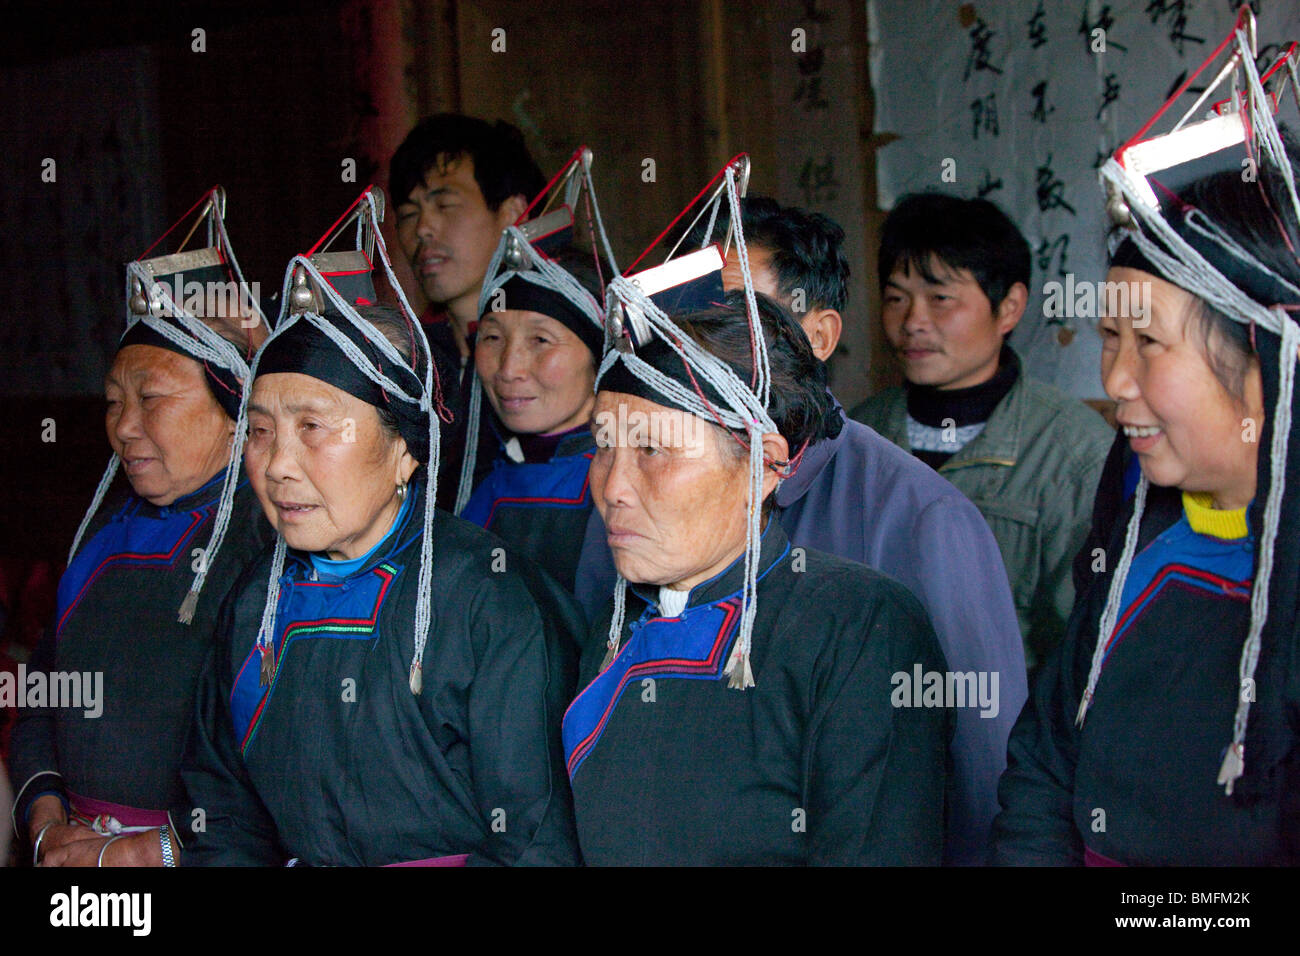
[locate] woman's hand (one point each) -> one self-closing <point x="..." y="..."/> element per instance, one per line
<point x="61" y="835"/>
<point x="48" y="815"/>
<point x="134" y="849"/>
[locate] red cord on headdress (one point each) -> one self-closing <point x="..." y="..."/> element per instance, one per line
<point x="689" y="206"/>
<point x="576" y="157"/>
<point x="207" y="195"/>
<point x="329" y="233"/>
<point x="1186" y="83"/>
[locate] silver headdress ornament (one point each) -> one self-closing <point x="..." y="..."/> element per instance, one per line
<point x="635" y="318"/>
<point x="150" y="301"/>
<point x="521" y="253"/>
<point x="1239" y="130"/>
<point x="317" y="279"/>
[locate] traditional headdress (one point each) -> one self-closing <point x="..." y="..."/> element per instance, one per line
<point x="161" y="312"/>
<point x="523" y="275"/>
<point x="1185" y="246"/>
<point x="648" y="350"/>
<point x="322" y="291"/>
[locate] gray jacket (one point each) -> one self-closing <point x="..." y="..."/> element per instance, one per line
<point x="1032" y="472"/>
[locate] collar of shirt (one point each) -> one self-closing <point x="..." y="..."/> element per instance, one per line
<point x="730" y="581"/>
<point x="201" y="497"/>
<point x="964" y="406"/>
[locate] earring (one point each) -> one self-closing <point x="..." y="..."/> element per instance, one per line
<point x="401" y="491"/>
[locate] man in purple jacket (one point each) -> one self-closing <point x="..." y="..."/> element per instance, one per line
<point x="861" y="497"/>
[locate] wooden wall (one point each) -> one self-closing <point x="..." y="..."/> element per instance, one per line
<point x="284" y="92"/>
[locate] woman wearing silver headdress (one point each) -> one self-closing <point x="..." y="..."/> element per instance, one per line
<point x="388" y="681"/>
<point x="1165" y="733"/>
<point x="741" y="697"/>
<point x="138" y="603"/>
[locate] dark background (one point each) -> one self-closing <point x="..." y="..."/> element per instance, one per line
<point x="140" y="125"/>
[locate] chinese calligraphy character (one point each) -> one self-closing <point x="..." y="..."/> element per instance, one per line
<point x="981" y="36"/>
<point x="809" y="92"/>
<point x="1041" y="107"/>
<point x="989" y="185"/>
<point x="984" y="114"/>
<point x="1048" y="251"/>
<point x="1178" y="34"/>
<point x="1037" y="29"/>
<point x="818" y="182"/>
<point x="1108" y="95"/>
<point x="1103" y="22"/>
<point x="1049" y="189"/>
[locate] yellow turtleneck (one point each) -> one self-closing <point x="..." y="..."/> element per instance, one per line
<point x="1208" y="520"/>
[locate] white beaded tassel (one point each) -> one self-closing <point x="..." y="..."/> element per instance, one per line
<point x="1110" y="614"/>
<point x="1234" y="761"/>
<point x="100" y="491"/>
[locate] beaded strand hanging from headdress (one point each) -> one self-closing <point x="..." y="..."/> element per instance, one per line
<point x="635" y="318"/>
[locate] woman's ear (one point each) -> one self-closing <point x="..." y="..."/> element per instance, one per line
<point x="405" y="461"/>
<point x="775" y="449"/>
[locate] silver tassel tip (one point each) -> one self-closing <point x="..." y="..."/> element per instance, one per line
<point x="188" y="607"/>
<point x="268" y="666"/>
<point x="417" y="678"/>
<point x="1234" y="764"/>
<point x="1083" y="709"/>
<point x="739" y="673"/>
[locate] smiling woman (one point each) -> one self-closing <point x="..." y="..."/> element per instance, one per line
<point x="536" y="360"/>
<point x="1179" y="669"/>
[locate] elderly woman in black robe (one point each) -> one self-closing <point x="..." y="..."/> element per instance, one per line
<point x="134" y="618"/>
<point x="388" y="683"/>
<point x="741" y="705"/>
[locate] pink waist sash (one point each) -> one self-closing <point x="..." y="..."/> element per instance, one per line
<point x="88" y="810"/>
<point x="457" y="860"/>
<point x="1093" y="858"/>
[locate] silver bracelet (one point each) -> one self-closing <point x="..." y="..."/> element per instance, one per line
<point x="165" y="838"/>
<point x="103" y="849"/>
<point x="36" y="847"/>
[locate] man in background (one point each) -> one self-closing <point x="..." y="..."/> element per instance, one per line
<point x="954" y="277"/>
<point x="458" y="182"/>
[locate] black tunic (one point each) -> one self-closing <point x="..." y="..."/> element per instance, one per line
<point x="1136" y="785"/>
<point x="117" y="616"/>
<point x="340" y="764"/>
<point x="813" y="765"/>
<point x="541" y="507"/>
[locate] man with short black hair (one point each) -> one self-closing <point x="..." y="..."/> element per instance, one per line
<point x="954" y="277"/>
<point x="458" y="182"/>
<point x="859" y="497"/>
